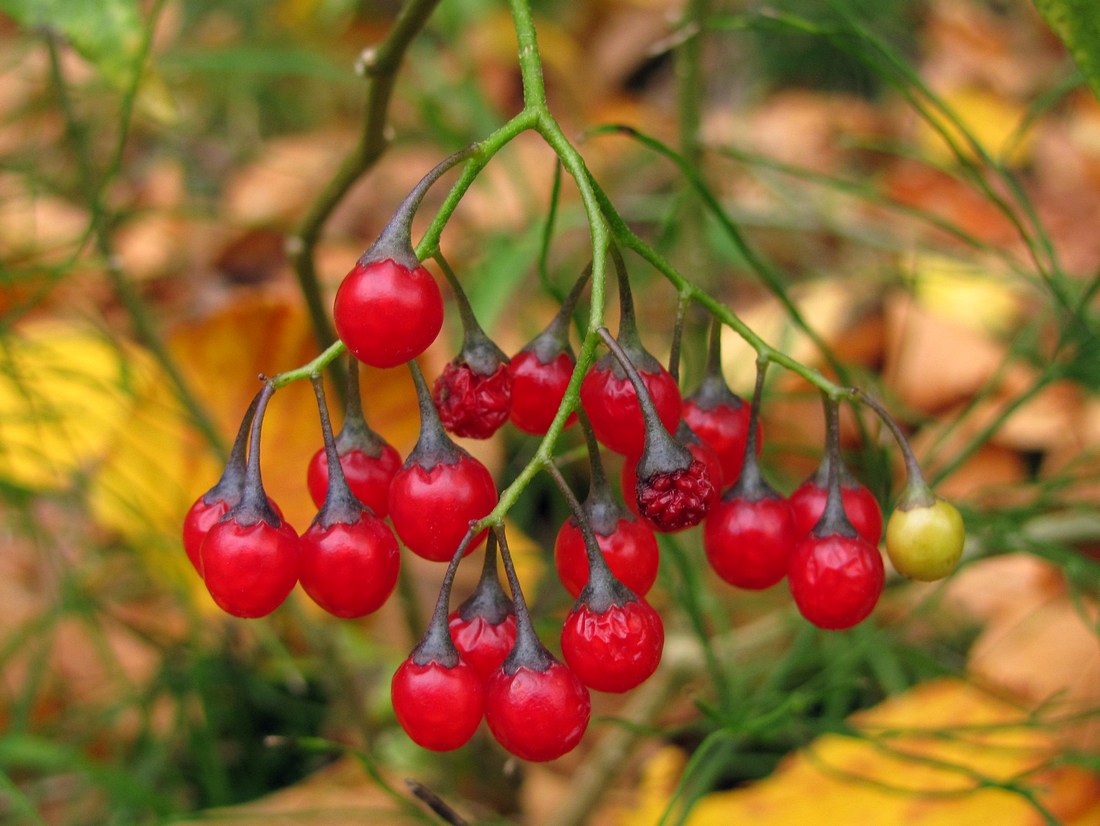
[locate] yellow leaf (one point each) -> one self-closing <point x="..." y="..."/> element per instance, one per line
<point x="65" y="390"/>
<point x="991" y="119"/>
<point x="966" y="293"/>
<point x="932" y="756"/>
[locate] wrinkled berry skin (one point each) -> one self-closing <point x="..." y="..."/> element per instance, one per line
<point x="439" y="708"/>
<point x="537" y="715"/>
<point x="612" y="406"/>
<point x="537" y="390"/>
<point x="676" y="500"/>
<point x="860" y="506"/>
<point x="629" y="477"/>
<point x="614" y="651"/>
<point x="835" y="580"/>
<point x="431" y="510"/>
<point x="725" y="429"/>
<point x="483" y="644"/>
<point x="387" y="314"/>
<point x="350" y="570"/>
<point x="368" y="477"/>
<point x="470" y="404"/>
<point x="630" y="551"/>
<point x="749" y="542"/>
<point x="250" y="570"/>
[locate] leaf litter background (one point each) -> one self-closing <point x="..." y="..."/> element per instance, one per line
<point x="126" y="697"/>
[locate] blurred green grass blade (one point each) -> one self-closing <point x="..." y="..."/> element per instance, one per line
<point x="26" y="752"/>
<point x="1077" y="23"/>
<point x="109" y="34"/>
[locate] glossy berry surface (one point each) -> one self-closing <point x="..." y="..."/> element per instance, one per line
<point x="677" y="499"/>
<point x="612" y="406"/>
<point x="749" y="542"/>
<point x="483" y="644"/>
<point x="431" y="510"/>
<point x="630" y="550"/>
<point x="350" y="570"/>
<point x="835" y="580"/>
<point x="725" y="429"/>
<point x="616" y="650"/>
<point x="201" y="517"/>
<point x="471" y="404"/>
<point x="925" y="543"/>
<point x="538" y="389"/>
<point x="439" y="708"/>
<point x="250" y="570"/>
<point x="387" y="314"/>
<point x="537" y="715"/>
<point x="860" y="506"/>
<point x="369" y="477"/>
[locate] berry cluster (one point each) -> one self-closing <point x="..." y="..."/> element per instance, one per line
<point x="686" y="462"/>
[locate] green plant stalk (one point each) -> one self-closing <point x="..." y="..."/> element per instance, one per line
<point x="629" y="239"/>
<point x="380" y="65"/>
<point x="764" y="270"/>
<point x="98" y="231"/>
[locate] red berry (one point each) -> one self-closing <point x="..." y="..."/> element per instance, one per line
<point x="630" y="550"/>
<point x="724" y="428"/>
<point x="201" y="517"/>
<point x="431" y="509"/>
<point x="369" y="477"/>
<point x="835" y="580"/>
<point x="250" y="570"/>
<point x="676" y="499"/>
<point x="612" y="405"/>
<point x="615" y="650"/>
<point x="537" y="715"/>
<point x="350" y="570"/>
<point x="748" y="541"/>
<point x="439" y="707"/>
<point x="860" y="506"/>
<point x="538" y="389"/>
<point x="387" y="313"/>
<point x="471" y="404"/>
<point x="483" y="644"/>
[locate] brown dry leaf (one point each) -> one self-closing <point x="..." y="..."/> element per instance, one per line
<point x="924" y="758"/>
<point x="37" y="224"/>
<point x="1037" y="641"/>
<point x="276" y="189"/>
<point x="337" y="795"/>
<point x="922" y="356"/>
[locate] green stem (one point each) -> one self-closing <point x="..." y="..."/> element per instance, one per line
<point x="380" y="65"/>
<point x="100" y="224"/>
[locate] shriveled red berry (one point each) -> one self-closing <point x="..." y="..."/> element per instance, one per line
<point x="471" y="404"/>
<point x="538" y="389"/>
<point x="630" y="550"/>
<point x="537" y="715"/>
<point x="749" y="541"/>
<point x="387" y="313"/>
<point x="835" y="580"/>
<point x="369" y="477"/>
<point x="250" y="570"/>
<point x="702" y="452"/>
<point x="860" y="506"/>
<point x="350" y="570"/>
<point x="439" y="707"/>
<point x="676" y="499"/>
<point x="483" y="644"/>
<point x="615" y="650"/>
<point x="609" y="399"/>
